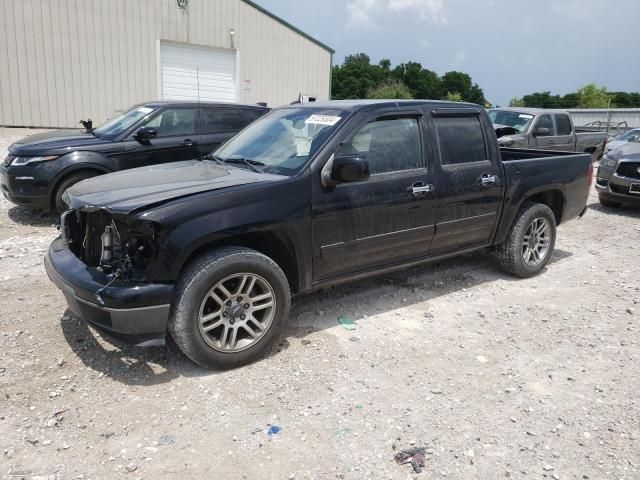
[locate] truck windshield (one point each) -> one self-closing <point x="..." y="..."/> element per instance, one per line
<point x="120" y="123"/>
<point x="519" y="121"/>
<point x="630" y="136"/>
<point x="282" y="141"/>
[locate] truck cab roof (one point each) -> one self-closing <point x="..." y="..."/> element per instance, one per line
<point x="359" y="105"/>
<point x="532" y="111"/>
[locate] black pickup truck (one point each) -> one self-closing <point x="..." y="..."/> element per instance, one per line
<point x="306" y="197"/>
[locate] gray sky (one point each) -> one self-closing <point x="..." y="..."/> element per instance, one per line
<point x="509" y="47"/>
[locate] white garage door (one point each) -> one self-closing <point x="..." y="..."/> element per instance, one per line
<point x="190" y="72"/>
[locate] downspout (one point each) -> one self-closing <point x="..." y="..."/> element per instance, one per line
<point x="330" y="76"/>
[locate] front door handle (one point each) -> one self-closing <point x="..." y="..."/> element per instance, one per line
<point x="420" y="189"/>
<point x="488" y="179"/>
<point x="189" y="143"/>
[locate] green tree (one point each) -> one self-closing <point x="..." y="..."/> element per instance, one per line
<point x="591" y="96"/>
<point x="570" y="100"/>
<point x="423" y="83"/>
<point x="516" y="102"/>
<point x="390" y="89"/>
<point x="454" y="97"/>
<point x="356" y="76"/>
<point x="461" y="82"/>
<point x="541" y="100"/>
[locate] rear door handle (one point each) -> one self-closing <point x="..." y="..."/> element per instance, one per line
<point x="487" y="179"/>
<point x="420" y="189"/>
<point x="189" y="143"/>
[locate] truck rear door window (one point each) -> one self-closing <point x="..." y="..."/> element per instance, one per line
<point x="563" y="124"/>
<point x="390" y="145"/>
<point x="461" y="140"/>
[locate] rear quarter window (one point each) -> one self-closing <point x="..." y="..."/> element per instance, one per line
<point x="461" y="140"/>
<point x="222" y="120"/>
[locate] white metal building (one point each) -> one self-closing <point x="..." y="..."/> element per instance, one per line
<point x="63" y="60"/>
<point x="621" y="117"/>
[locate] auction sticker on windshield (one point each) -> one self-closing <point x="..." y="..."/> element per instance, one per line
<point x="323" y="120"/>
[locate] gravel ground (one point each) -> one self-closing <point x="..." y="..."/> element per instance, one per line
<point x="495" y="377"/>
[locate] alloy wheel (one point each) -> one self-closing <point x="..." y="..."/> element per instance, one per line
<point x="237" y="312"/>
<point x="536" y="242"/>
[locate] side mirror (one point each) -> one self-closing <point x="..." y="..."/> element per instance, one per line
<point x="350" y="168"/>
<point x="145" y="134"/>
<point x="542" y="132"/>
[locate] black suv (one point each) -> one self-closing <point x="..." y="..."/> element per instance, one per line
<point x="41" y="167"/>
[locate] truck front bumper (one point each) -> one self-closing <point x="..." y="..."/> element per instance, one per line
<point x="135" y="312"/>
<point x="615" y="188"/>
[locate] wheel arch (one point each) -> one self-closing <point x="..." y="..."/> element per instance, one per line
<point x="74" y="169"/>
<point x="552" y="198"/>
<point x="274" y="245"/>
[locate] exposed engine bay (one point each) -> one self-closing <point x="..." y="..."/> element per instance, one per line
<point x="110" y="244"/>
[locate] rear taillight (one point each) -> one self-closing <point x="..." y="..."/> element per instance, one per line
<point x="590" y="174"/>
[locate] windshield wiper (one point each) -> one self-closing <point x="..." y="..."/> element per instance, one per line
<point x="252" y="164"/>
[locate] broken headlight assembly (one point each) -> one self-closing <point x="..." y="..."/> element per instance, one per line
<point x="110" y="243"/>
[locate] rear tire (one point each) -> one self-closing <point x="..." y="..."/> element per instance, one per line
<point x="530" y="243"/>
<point x="230" y="307"/>
<point x="58" y="203"/>
<point x="609" y="203"/>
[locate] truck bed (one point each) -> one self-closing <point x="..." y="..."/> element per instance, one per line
<point x="513" y="154"/>
<point x="565" y="174"/>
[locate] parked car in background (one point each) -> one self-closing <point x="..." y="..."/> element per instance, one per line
<point x="545" y="129"/>
<point x="618" y="178"/>
<point x="632" y="135"/>
<point x="40" y="168"/>
<point x="306" y="197"/>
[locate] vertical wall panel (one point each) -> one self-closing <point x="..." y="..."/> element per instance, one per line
<point x="62" y="60"/>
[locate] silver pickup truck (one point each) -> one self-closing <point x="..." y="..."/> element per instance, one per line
<point x="546" y="130"/>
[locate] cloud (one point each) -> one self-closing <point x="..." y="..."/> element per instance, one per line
<point x="366" y="13"/>
<point x="427" y="9"/>
<point x="459" y="58"/>
<point x="360" y="13"/>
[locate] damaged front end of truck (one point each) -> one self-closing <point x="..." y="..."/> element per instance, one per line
<point x="120" y="246"/>
<point x="102" y="262"/>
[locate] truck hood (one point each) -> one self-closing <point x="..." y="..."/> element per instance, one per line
<point x="138" y="188"/>
<point x="628" y="151"/>
<point x="54" y="142"/>
<point x="504" y="130"/>
<point x="612" y="145"/>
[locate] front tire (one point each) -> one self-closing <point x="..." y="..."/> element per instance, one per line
<point x="59" y="204"/>
<point x="230" y="306"/>
<point x="530" y="243"/>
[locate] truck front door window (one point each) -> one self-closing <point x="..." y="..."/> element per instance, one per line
<point x="390" y="145"/>
<point x="545" y="121"/>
